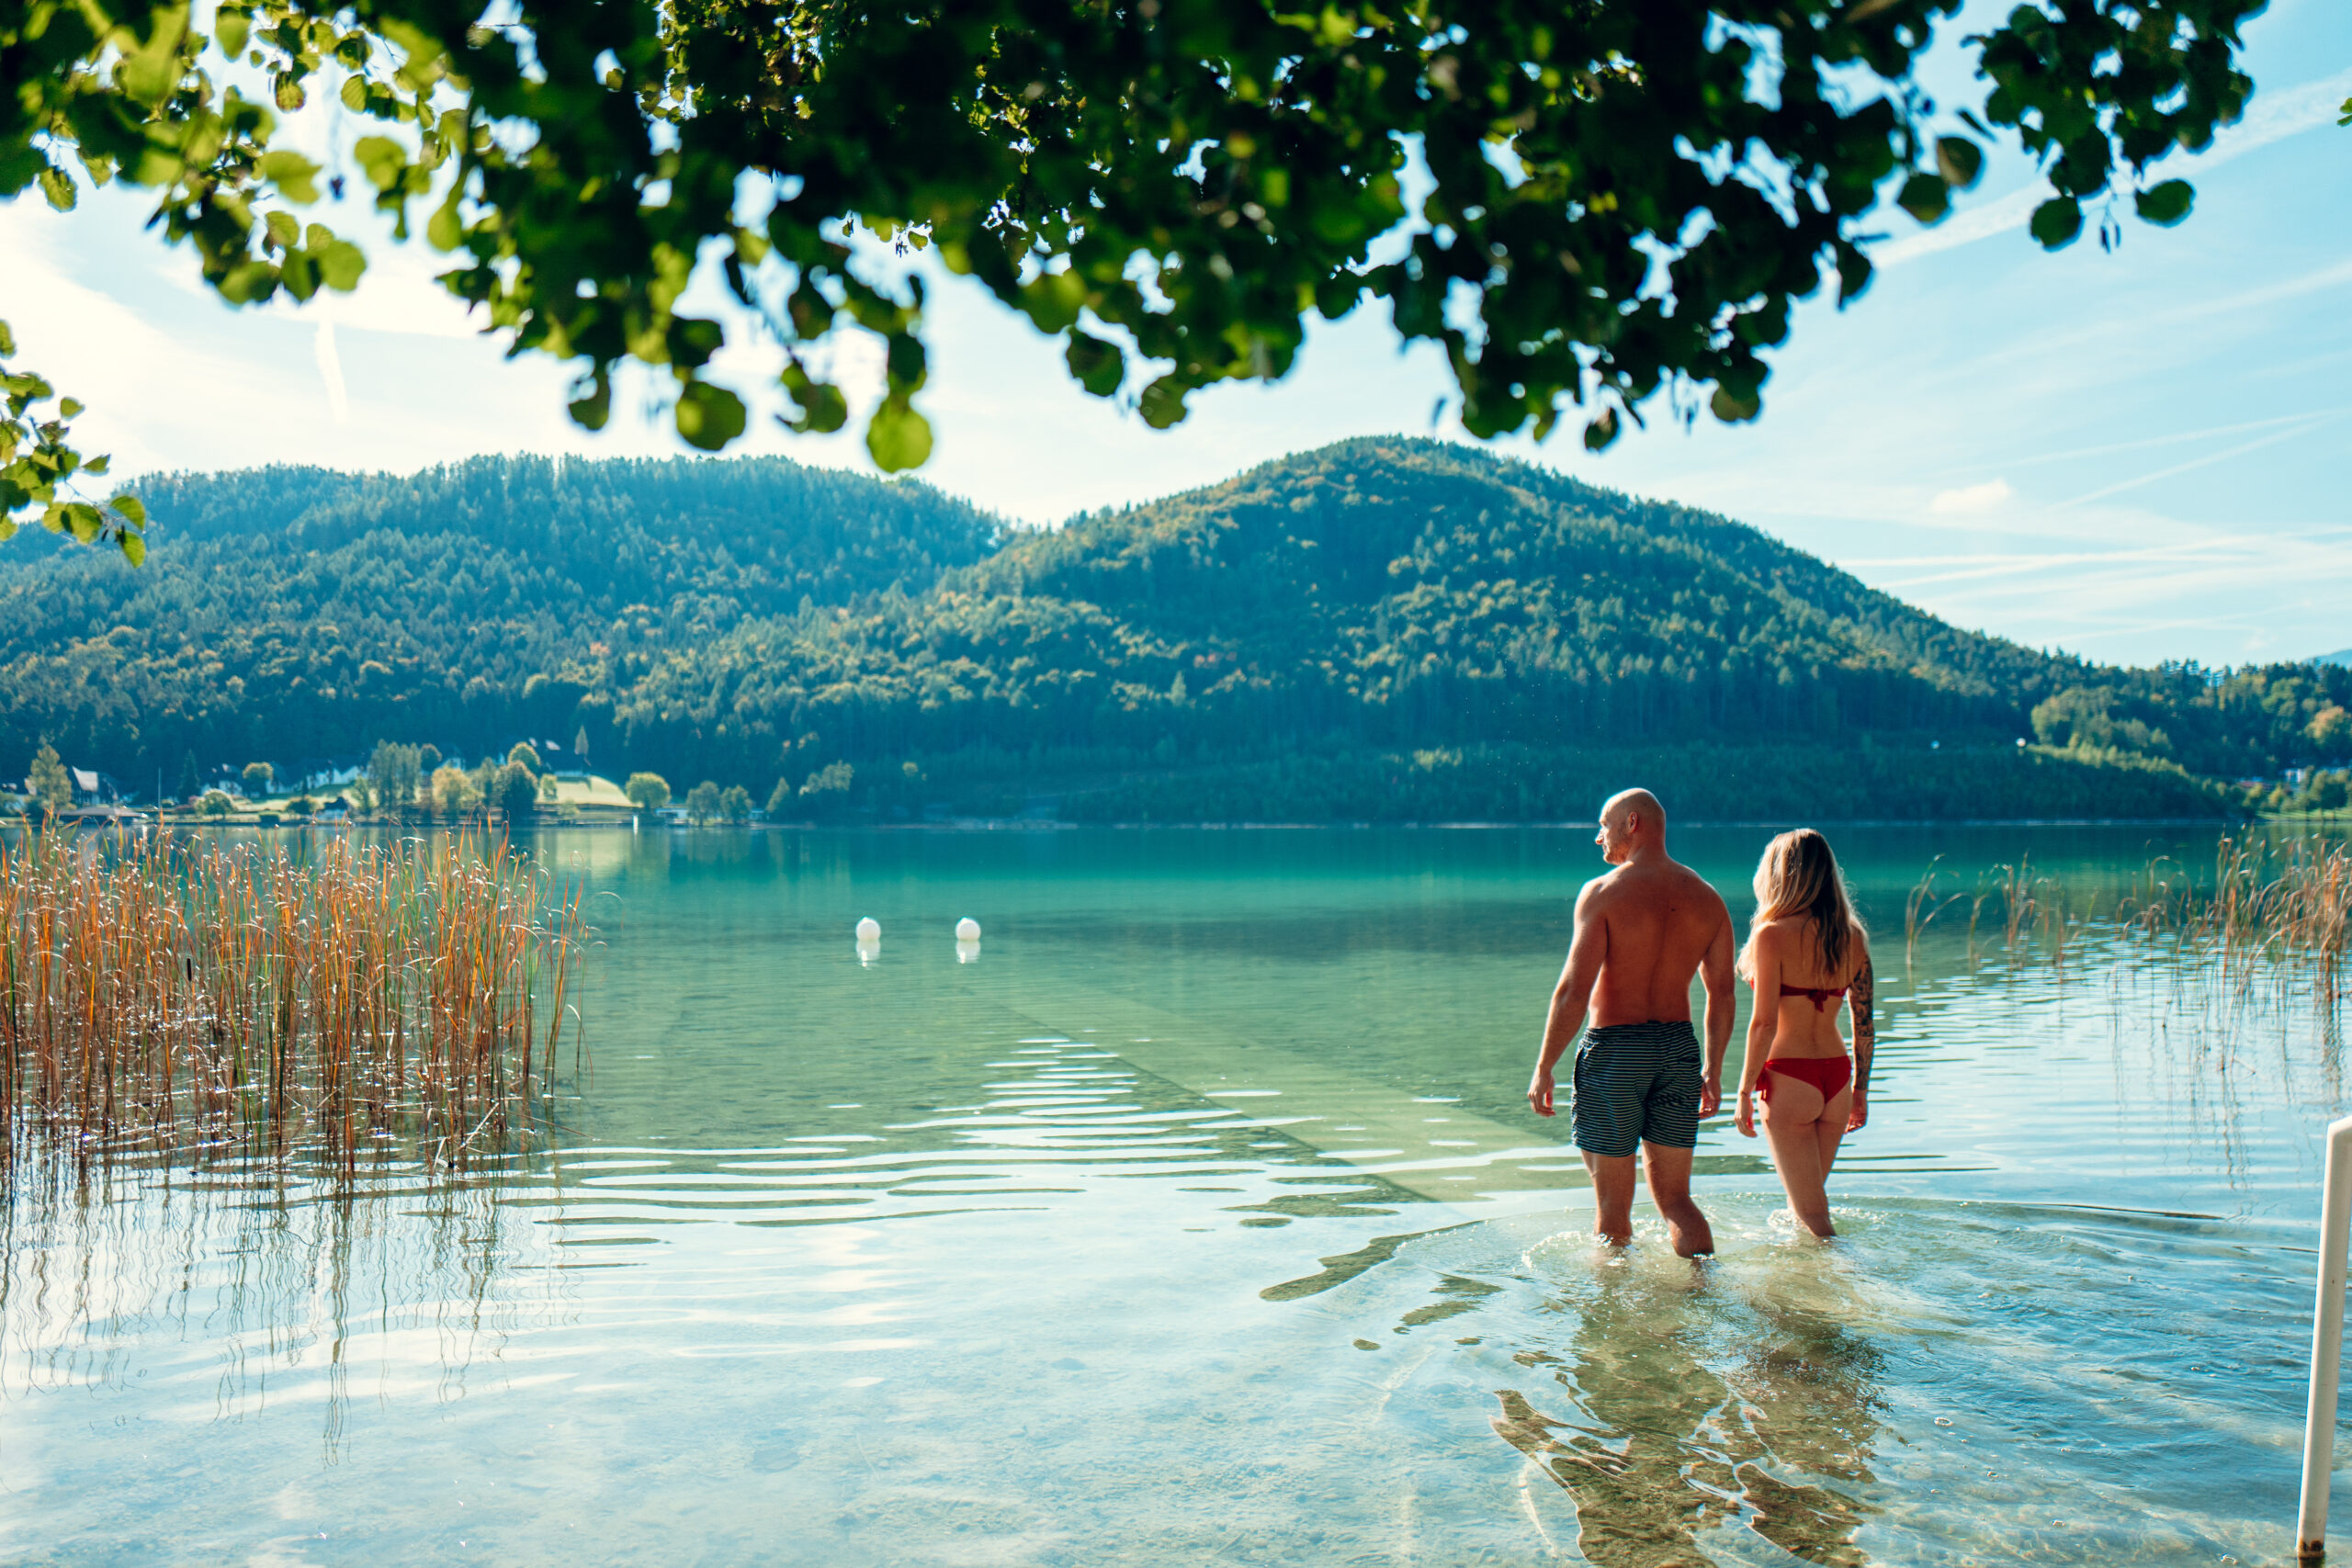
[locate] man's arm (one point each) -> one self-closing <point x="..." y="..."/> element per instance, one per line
<point x="1586" y="951"/>
<point x="1864" y="996"/>
<point x="1722" y="1003"/>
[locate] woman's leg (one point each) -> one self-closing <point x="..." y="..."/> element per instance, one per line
<point x="1793" y="1116"/>
<point x="1831" y="1128"/>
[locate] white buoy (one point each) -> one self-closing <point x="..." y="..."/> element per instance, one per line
<point x="869" y="929"/>
<point x="967" y="953"/>
<point x="967" y="929"/>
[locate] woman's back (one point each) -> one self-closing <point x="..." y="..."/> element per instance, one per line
<point x="1790" y="969"/>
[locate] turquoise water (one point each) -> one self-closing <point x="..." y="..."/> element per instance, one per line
<point x="1195" y="1217"/>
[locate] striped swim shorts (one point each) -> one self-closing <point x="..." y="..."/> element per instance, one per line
<point x="1638" y="1083"/>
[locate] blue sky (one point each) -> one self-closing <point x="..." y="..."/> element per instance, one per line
<point x="2137" y="455"/>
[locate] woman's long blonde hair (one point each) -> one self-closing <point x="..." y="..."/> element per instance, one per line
<point x="1799" y="875"/>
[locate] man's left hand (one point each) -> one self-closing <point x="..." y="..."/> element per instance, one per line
<point x="1538" y="1092"/>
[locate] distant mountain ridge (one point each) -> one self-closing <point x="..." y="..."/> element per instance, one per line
<point x="752" y="620"/>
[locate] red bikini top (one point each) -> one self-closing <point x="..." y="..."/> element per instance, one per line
<point x="1822" y="995"/>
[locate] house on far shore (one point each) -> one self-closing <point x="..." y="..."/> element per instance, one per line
<point x="323" y="772"/>
<point x="97" y="797"/>
<point x="92" y="787"/>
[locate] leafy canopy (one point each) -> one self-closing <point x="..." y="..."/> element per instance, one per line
<point x="1617" y="197"/>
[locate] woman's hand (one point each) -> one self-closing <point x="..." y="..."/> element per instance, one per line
<point x="1745" y="1118"/>
<point x="1861" y="1112"/>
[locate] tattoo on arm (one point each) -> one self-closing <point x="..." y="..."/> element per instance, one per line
<point x="1864" y="995"/>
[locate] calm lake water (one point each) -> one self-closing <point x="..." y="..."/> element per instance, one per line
<point x="1195" y="1217"/>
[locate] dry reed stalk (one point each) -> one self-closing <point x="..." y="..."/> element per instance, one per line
<point x="2014" y="884"/>
<point x="170" y="993"/>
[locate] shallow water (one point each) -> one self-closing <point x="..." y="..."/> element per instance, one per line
<point x="1197" y="1216"/>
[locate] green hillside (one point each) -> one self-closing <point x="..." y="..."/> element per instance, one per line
<point x="1383" y="629"/>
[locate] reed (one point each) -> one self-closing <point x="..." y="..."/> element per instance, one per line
<point x="2265" y="903"/>
<point x="2267" y="908"/>
<point x="175" y="993"/>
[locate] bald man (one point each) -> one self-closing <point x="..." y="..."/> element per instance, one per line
<point x="1642" y="931"/>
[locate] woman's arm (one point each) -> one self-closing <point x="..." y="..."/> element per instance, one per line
<point x="1864" y="997"/>
<point x="1763" y="1023"/>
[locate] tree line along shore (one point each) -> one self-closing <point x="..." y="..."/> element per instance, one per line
<point x="1385" y="629"/>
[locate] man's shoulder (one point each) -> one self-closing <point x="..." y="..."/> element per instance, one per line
<point x="1689" y="884"/>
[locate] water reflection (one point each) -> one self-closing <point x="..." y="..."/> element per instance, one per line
<point x="285" y="1283"/>
<point x="1693" y="1402"/>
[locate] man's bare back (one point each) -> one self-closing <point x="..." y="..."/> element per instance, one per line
<point x="1642" y="931"/>
<point x="1659" y="920"/>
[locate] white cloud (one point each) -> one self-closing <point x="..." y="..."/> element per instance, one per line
<point x="1972" y="498"/>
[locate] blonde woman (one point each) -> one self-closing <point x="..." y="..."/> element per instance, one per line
<point x="1806" y="954"/>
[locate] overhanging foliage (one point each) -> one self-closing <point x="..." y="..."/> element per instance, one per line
<point x="1622" y="198"/>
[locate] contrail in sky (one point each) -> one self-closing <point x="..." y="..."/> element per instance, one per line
<point x="2272" y="119"/>
<point x="322" y="349"/>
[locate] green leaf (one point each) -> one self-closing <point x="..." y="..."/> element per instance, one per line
<point x="79" y="518"/>
<point x="1736" y="407"/>
<point x="709" y="416"/>
<point x="1926" y="197"/>
<point x="592" y="408"/>
<point x="380" y="158"/>
<point x="1098" y="366"/>
<point x="231" y="29"/>
<point x="68" y="407"/>
<point x="1960" y="160"/>
<point x="1600" y="433"/>
<point x="291" y="172"/>
<point x="823" y="410"/>
<point x="2056" y="222"/>
<point x="445" y="230"/>
<point x="8" y="341"/>
<point x="130" y="509"/>
<point x="1162" y="404"/>
<point x="134" y="548"/>
<point x="340" y="265"/>
<point x="150" y="72"/>
<point x="1054" y="301"/>
<point x="299" y="273"/>
<point x="58" y="187"/>
<point x="897" y="437"/>
<point x="2167" y="204"/>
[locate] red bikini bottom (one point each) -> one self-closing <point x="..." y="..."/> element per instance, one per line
<point x="1828" y="1074"/>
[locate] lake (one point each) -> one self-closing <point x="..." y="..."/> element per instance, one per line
<point x="1194" y="1214"/>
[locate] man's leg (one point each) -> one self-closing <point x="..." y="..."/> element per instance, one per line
<point x="1612" y="1195"/>
<point x="1669" y="1173"/>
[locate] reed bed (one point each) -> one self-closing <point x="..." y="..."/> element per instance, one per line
<point x="2265" y="907"/>
<point x="183" y="994"/>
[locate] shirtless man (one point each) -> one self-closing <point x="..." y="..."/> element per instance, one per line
<point x="1642" y="931"/>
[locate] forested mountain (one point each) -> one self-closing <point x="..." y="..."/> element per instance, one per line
<point x="299" y="613"/>
<point x="1399" y="613"/>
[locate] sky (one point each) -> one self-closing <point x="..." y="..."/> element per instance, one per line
<point x="2137" y="455"/>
